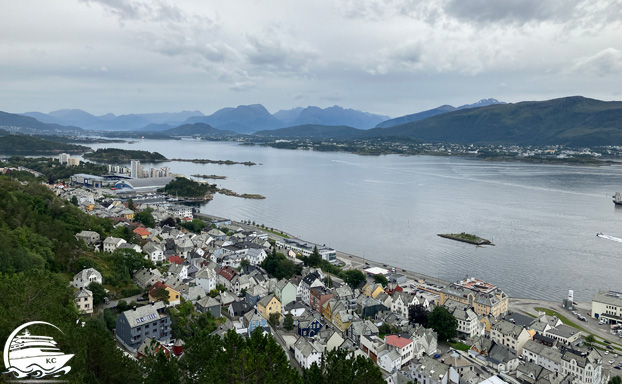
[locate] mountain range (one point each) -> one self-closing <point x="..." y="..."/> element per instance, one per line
<point x="433" y="112"/>
<point x="573" y="121"/>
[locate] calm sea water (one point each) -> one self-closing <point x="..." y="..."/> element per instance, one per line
<point x="542" y="218"/>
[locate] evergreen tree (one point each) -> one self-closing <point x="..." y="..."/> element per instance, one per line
<point x="443" y="322"/>
<point x="418" y="314"/>
<point x="339" y="366"/>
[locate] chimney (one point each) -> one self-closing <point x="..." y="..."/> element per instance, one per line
<point x="134" y="307"/>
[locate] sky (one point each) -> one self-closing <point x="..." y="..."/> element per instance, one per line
<point x="391" y="57"/>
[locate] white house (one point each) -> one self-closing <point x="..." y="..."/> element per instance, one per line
<point x="112" y="243"/>
<point x="154" y="252"/>
<point x="511" y="335"/>
<point x="401" y="302"/>
<point x="390" y="361"/>
<point x="307" y="353"/>
<point x="206" y="279"/>
<point x="402" y="345"/>
<point x="84" y="301"/>
<point x="85" y="277"/>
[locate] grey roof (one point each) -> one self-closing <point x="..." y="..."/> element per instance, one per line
<point x="207" y="302"/>
<point x="83" y="292"/>
<point x="146" y="313"/>
<point x="508" y="329"/>
<point x="146" y="182"/>
<point x="501" y="354"/>
<point x="266" y="300"/>
<point x="609" y="298"/>
<point x="563" y="331"/>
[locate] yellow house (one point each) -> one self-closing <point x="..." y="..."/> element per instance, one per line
<point x="127" y="214"/>
<point x="269" y="305"/>
<point x="174" y="297"/>
<point x="327" y="310"/>
<point x="493" y="303"/>
<point x="372" y="290"/>
<point x="343" y="320"/>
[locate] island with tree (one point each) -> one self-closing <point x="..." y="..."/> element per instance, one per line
<point x="121" y="156"/>
<point x="466" y="238"/>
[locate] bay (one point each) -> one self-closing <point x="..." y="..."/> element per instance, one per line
<point x="542" y="218"/>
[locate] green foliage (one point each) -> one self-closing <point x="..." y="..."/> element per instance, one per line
<point x="110" y="318"/>
<point x="196" y="225"/>
<point x="418" y="314"/>
<point x="380" y="279"/>
<point x="288" y="322"/>
<point x="274" y="319"/>
<point x="123" y="263"/>
<point x="339" y="366"/>
<point x="124" y="232"/>
<point x="460" y="346"/>
<point x="615" y="380"/>
<point x="27" y="177"/>
<point x="130" y="204"/>
<point x="354" y="277"/>
<point x="98" y="292"/>
<point x="74" y="200"/>
<point x="443" y="322"/>
<point x="315" y="259"/>
<point x="28" y="145"/>
<point x="279" y="266"/>
<point x="37" y="230"/>
<point x="183" y="187"/>
<point x="120" y="156"/>
<point x="590" y="339"/>
<point x="146" y="218"/>
<point x="214" y="293"/>
<point x="161" y="294"/>
<point x="234" y="359"/>
<point x="53" y="170"/>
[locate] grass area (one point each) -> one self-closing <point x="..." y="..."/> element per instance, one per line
<point x="283" y="235"/>
<point x="460" y="346"/>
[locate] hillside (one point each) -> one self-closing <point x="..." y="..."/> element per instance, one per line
<point x="573" y="121"/>
<point x="312" y="131"/>
<point x="13" y="144"/>
<point x="242" y="119"/>
<point x="197" y="129"/>
<point x="25" y="124"/>
<point x="121" y="156"/>
<point x="433" y="112"/>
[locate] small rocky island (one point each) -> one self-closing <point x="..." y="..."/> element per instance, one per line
<point x="466" y="238"/>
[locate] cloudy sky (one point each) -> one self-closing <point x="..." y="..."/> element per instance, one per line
<point x="391" y="57"/>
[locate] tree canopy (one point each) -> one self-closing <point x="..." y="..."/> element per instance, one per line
<point x="339" y="366"/>
<point x="418" y="314"/>
<point x="443" y="322"/>
<point x="353" y="277"/>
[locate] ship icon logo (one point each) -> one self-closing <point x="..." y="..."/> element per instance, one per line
<point x="28" y="355"/>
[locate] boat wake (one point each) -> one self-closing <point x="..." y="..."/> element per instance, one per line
<point x="35" y="371"/>
<point x="600" y="234"/>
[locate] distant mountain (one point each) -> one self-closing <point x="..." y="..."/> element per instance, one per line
<point x="153" y="127"/>
<point x="573" y="121"/>
<point x="416" y="116"/>
<point x="335" y="115"/>
<point x="111" y="122"/>
<point x="197" y="129"/>
<point x="481" y="103"/>
<point x="433" y="112"/>
<point x="288" y="116"/>
<point x="24" y="124"/>
<point x="312" y="132"/>
<point x="243" y="119"/>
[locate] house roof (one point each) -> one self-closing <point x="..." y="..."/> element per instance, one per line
<point x="397" y="341"/>
<point x="140" y="231"/>
<point x="266" y="300"/>
<point x="146" y="313"/>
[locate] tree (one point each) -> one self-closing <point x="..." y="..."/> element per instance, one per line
<point x="328" y="282"/>
<point x="245" y="263"/>
<point x="274" y="319"/>
<point x="288" y="322"/>
<point x="214" y="293"/>
<point x="443" y="322"/>
<point x="418" y="314"/>
<point x="615" y="380"/>
<point x="315" y="259"/>
<point x="130" y="204"/>
<point x="353" y="277"/>
<point x="127" y="261"/>
<point x="98" y="292"/>
<point x="590" y="339"/>
<point x="162" y="294"/>
<point x="146" y="218"/>
<point x="339" y="366"/>
<point x="380" y="279"/>
<point x="74" y="200"/>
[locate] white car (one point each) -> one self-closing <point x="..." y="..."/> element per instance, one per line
<point x="610" y="361"/>
<point x="606" y="352"/>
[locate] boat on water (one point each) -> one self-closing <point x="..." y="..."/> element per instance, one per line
<point x="617" y="198"/>
<point x="27" y="351"/>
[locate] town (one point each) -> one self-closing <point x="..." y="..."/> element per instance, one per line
<point x="313" y="299"/>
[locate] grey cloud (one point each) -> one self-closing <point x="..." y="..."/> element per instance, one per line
<point x="510" y="11"/>
<point x="153" y="11"/>
<point x="271" y="54"/>
<point x="605" y="62"/>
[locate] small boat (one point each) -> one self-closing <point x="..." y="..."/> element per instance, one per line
<point x="617" y="198"/>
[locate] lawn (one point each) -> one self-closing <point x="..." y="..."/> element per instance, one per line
<point x="460" y="346"/>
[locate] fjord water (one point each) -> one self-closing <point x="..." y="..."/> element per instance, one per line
<point x="542" y="218"/>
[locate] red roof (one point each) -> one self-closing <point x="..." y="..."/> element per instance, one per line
<point x="227" y="272"/>
<point x="397" y="341"/>
<point x="175" y="259"/>
<point x="187" y="219"/>
<point x="142" y="232"/>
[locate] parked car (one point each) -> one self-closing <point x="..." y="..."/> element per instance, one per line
<point x="141" y="299"/>
<point x="607" y="342"/>
<point x="610" y="361"/>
